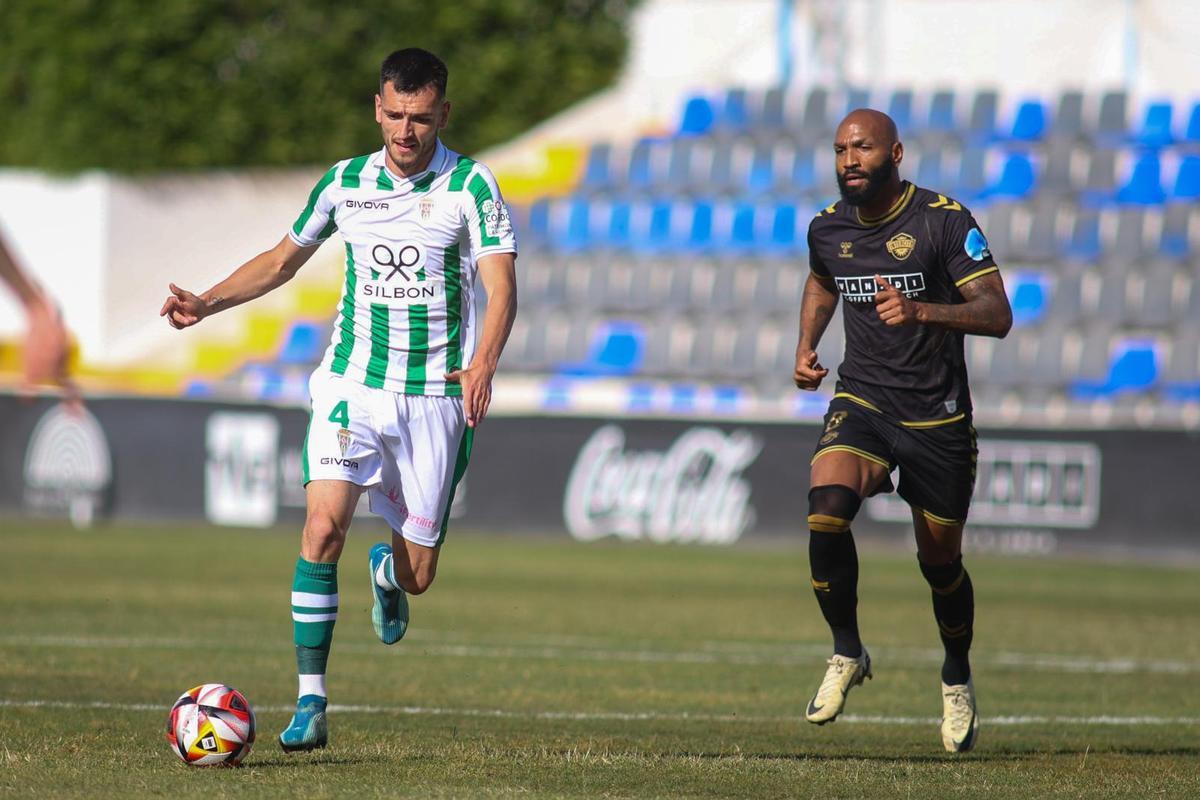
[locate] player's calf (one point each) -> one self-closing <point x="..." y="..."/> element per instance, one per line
<point x="954" y="609"/>
<point x="833" y="561"/>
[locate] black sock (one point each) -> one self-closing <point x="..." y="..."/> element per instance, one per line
<point x="834" y="564"/>
<point x="954" y="608"/>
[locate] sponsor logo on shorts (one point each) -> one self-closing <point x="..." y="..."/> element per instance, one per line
<point x="862" y="289"/>
<point x="901" y="245"/>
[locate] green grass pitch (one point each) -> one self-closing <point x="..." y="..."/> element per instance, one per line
<point x="545" y="668"/>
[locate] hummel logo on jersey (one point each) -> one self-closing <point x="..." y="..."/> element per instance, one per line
<point x="367" y="204"/>
<point x="863" y="288"/>
<point x="847" y="250"/>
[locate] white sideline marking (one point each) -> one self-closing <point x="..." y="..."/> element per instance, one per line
<point x="583" y="649"/>
<point x="628" y="716"/>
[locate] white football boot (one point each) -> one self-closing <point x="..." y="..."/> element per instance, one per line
<point x="960" y="722"/>
<point x="844" y="674"/>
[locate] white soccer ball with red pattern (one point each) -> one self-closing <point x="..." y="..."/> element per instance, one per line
<point x="211" y="724"/>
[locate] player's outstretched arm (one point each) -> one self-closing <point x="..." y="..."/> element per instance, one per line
<point x="499" y="276"/>
<point x="46" y="342"/>
<point x="816" y="309"/>
<point x="986" y="311"/>
<point x="259" y="275"/>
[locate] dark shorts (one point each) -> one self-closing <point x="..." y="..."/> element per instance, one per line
<point x="937" y="462"/>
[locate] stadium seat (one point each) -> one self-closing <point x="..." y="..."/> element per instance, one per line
<point x="1144" y="186"/>
<point x="1028" y="292"/>
<point x="700" y="231"/>
<point x="641" y="175"/>
<point x="735" y="116"/>
<point x="857" y="98"/>
<point x="304" y="344"/>
<point x="941" y="112"/>
<point x="539" y="218"/>
<point x="1156" y="127"/>
<point x="772" y="117"/>
<point x="816" y="124"/>
<point x="1191" y="134"/>
<point x="982" y="124"/>
<point x="1187" y="180"/>
<point x="1016" y="180"/>
<point x="1084" y="241"/>
<point x="1030" y="122"/>
<point x="1174" y="240"/>
<point x="761" y="175"/>
<point x="1068" y="118"/>
<point x="900" y="109"/>
<point x="578" y="231"/>
<point x="783" y="228"/>
<point x="617" y="348"/>
<point x="1112" y="123"/>
<point x="698" y="117"/>
<point x="596" y="173"/>
<point x="1133" y="368"/>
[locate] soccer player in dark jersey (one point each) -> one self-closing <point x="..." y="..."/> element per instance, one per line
<point x="915" y="275"/>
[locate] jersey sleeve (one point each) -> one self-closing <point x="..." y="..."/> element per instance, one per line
<point x="965" y="249"/>
<point x="814" y="260"/>
<point x="315" y="223"/>
<point x="487" y="219"/>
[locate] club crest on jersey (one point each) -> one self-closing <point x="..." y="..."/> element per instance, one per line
<point x="426" y="209"/>
<point x="495" y="219"/>
<point x="846" y="250"/>
<point x="343" y="440"/>
<point x="901" y="245"/>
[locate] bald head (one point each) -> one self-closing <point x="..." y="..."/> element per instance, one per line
<point x="868" y="152"/>
<point x="876" y="124"/>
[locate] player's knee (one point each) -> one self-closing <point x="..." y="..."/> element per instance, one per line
<point x="832" y="508"/>
<point x="323" y="533"/>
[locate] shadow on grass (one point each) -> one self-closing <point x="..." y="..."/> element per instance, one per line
<point x="308" y="761"/>
<point x="998" y="755"/>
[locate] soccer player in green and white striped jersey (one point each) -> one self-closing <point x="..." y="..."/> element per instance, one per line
<point x="402" y="385"/>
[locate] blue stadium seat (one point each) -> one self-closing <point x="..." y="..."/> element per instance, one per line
<point x="941" y="112"/>
<point x="620" y="222"/>
<point x="804" y="170"/>
<point x="741" y="236"/>
<point x="578" y="233"/>
<point x="700" y="232"/>
<point x="1030" y="122"/>
<point x="982" y="124"/>
<point x="1084" y="241"/>
<point x="1187" y="179"/>
<point x="1029" y="301"/>
<point x="640" y="174"/>
<point x="929" y="168"/>
<point x="1192" y="133"/>
<point x="734" y="114"/>
<point x="1133" y="368"/>
<point x="698" y="117"/>
<point x="1112" y="125"/>
<point x="761" y="175"/>
<point x="1156" y="127"/>
<point x="1145" y="183"/>
<point x="596" y="173"/>
<point x="783" y="227"/>
<point x="1016" y="180"/>
<point x="1174" y="241"/>
<point x="618" y="348"/>
<point x="539" y="218"/>
<point x="900" y="109"/>
<point x="303" y="345"/>
<point x="658" y="236"/>
<point x="857" y="98"/>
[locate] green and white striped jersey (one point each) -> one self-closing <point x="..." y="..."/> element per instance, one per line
<point x="407" y="313"/>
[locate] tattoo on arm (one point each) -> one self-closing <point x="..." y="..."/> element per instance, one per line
<point x="816" y="309"/>
<point x="986" y="311"/>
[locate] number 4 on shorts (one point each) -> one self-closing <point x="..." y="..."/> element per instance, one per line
<point x="340" y="415"/>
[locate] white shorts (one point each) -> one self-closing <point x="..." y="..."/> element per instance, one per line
<point x="409" y="451"/>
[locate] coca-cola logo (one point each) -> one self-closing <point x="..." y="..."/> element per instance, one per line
<point x="692" y="492"/>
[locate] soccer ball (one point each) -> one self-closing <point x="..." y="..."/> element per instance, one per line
<point x="211" y="724"/>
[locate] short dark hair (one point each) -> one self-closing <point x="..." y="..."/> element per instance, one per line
<point x="412" y="69"/>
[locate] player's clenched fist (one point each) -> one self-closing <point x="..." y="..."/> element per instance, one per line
<point x="182" y="308"/>
<point x="892" y="306"/>
<point x="809" y="372"/>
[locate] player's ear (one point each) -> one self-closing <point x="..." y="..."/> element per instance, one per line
<point x="897" y="153"/>
<point x="379" y="109"/>
<point x="445" y="114"/>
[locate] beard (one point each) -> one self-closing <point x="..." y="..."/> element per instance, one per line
<point x="876" y="179"/>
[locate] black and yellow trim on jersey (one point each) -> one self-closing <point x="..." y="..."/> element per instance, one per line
<point x="946" y="203"/>
<point x="975" y="275"/>
<point x="893" y="212"/>
<point x="931" y="423"/>
<point x="845" y="448"/>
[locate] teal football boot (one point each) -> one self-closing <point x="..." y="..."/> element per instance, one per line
<point x="308" y="729"/>
<point x="389" y="615"/>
